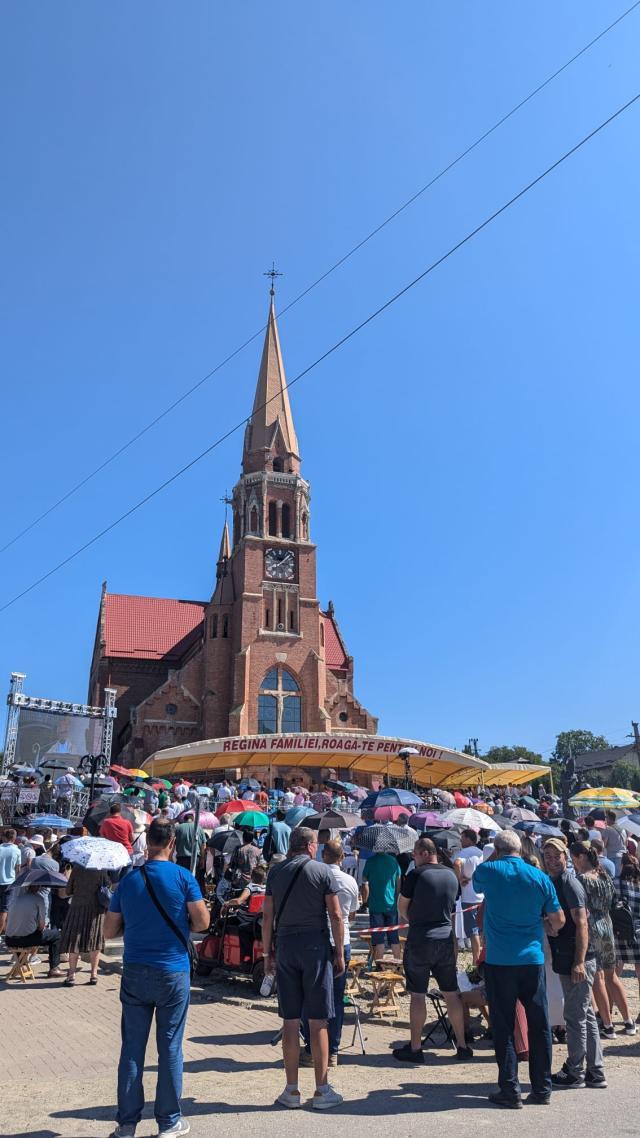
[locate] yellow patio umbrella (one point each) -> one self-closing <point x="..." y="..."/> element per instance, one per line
<point x="606" y="797"/>
<point x="134" y="772"/>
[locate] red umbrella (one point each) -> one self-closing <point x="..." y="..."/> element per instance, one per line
<point x="120" y="770"/>
<point x="461" y="799"/>
<point x="234" y="807"/>
<point x="390" y="813"/>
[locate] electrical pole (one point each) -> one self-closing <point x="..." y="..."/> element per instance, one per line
<point x="636" y="738"/>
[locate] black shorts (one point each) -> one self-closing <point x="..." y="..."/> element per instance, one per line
<point x="304" y="970"/>
<point x="426" y="958"/>
<point x="4" y="894"/>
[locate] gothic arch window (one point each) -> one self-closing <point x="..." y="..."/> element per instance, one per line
<point x="253" y="520"/>
<point x="214" y="626"/>
<point x="286" y="520"/>
<point x="304" y="523"/>
<point x="273" y="519"/>
<point x="279" y="703"/>
<point x="322" y="633"/>
<point x="225" y="625"/>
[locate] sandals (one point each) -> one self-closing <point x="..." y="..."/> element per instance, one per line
<point x="69" y="982"/>
<point x="93" y="980"/>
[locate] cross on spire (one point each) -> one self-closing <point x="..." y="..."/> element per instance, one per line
<point x="273" y="273"/>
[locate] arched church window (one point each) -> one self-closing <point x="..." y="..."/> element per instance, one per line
<point x="253" y="520"/>
<point x="286" y="520"/>
<point x="273" y="519"/>
<point x="214" y="626"/>
<point x="304" y="524"/>
<point x="279" y="703"/>
<point x="278" y="465"/>
<point x="322" y="633"/>
<point x="225" y="626"/>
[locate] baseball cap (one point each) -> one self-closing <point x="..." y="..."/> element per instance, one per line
<point x="557" y="844"/>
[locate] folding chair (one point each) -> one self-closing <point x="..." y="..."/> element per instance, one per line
<point x="349" y="1002"/>
<point x="442" y="1023"/>
<point x="21" y="969"/>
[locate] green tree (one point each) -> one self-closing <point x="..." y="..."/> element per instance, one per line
<point x="512" y="755"/>
<point x="624" y="775"/>
<point x="576" y="742"/>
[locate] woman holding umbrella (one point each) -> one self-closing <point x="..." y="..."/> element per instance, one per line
<point x="82" y="930"/>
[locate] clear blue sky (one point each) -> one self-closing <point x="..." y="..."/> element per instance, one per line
<point x="473" y="453"/>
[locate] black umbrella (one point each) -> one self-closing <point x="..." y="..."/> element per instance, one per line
<point x="543" y="829"/>
<point x="385" y="839"/>
<point x="46" y="878"/>
<point x="225" y="842"/>
<point x="332" y="820"/>
<point x="444" y="839"/>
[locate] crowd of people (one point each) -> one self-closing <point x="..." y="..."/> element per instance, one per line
<point x="549" y="923"/>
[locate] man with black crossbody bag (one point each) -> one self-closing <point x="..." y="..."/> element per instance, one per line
<point x="301" y="893"/>
<point x="156" y="906"/>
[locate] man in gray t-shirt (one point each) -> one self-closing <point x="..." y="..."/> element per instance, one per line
<point x="300" y="894"/>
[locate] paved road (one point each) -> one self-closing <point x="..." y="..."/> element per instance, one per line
<point x="60" y="1051"/>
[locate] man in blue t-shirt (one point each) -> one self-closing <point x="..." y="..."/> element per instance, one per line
<point x="155" y="977"/>
<point x="517" y="898"/>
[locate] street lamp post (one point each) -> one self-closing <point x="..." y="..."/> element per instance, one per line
<point x="95" y="764"/>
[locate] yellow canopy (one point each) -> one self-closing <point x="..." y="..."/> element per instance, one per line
<point x="347" y="754"/>
<point x="500" y="774"/>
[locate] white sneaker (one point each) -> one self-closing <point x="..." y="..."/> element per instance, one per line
<point x="289" y="1099"/>
<point x="35" y="959"/>
<point x="324" y="1100"/>
<point x="182" y="1126"/>
<point x="630" y="1028"/>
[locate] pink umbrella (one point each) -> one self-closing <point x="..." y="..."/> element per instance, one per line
<point x="207" y="820"/>
<point x="427" y="818"/>
<point x="321" y="801"/>
<point x="359" y="793"/>
<point x="390" y="813"/>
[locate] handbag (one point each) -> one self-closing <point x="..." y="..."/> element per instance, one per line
<point x="187" y="944"/>
<point x="622" y="919"/>
<point x="104" y="896"/>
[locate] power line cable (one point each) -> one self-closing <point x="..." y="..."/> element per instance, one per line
<point x="334" y="348"/>
<point x="305" y="292"/>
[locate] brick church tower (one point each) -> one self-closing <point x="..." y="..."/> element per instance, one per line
<point x="260" y="657"/>
<point x="265" y="666"/>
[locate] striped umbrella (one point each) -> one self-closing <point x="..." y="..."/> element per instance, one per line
<point x="607" y="797"/>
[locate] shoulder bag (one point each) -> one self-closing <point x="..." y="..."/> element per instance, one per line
<point x="281" y="908"/>
<point x="187" y="944"/>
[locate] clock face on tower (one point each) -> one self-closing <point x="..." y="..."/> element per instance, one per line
<point x="280" y="564"/>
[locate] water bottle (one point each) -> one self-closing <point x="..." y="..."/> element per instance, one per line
<point x="268" y="981"/>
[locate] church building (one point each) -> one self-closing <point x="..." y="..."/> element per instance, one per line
<point x="259" y="657"/>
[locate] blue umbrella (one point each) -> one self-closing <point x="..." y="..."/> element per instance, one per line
<point x="276" y="794"/>
<point x="390" y="796"/>
<point x="294" y="816"/>
<point x="203" y="790"/>
<point x="53" y="821"/>
<point x="250" y="783"/>
<point x="541" y="828"/>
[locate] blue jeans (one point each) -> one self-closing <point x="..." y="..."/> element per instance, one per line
<point x="505" y="984"/>
<point x="143" y="991"/>
<point x="335" y="1024"/>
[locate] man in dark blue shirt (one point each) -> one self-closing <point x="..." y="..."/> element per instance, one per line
<point x="155" y="978"/>
<point x="516" y="898"/>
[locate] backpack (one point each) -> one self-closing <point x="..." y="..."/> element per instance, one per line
<point x="622" y="920"/>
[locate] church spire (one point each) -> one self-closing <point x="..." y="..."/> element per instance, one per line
<point x="270" y="435"/>
<point x="223" y="592"/>
<point x="225" y="544"/>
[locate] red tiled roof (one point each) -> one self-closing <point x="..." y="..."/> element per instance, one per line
<point x="149" y="627"/>
<point x="334" y="653"/>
